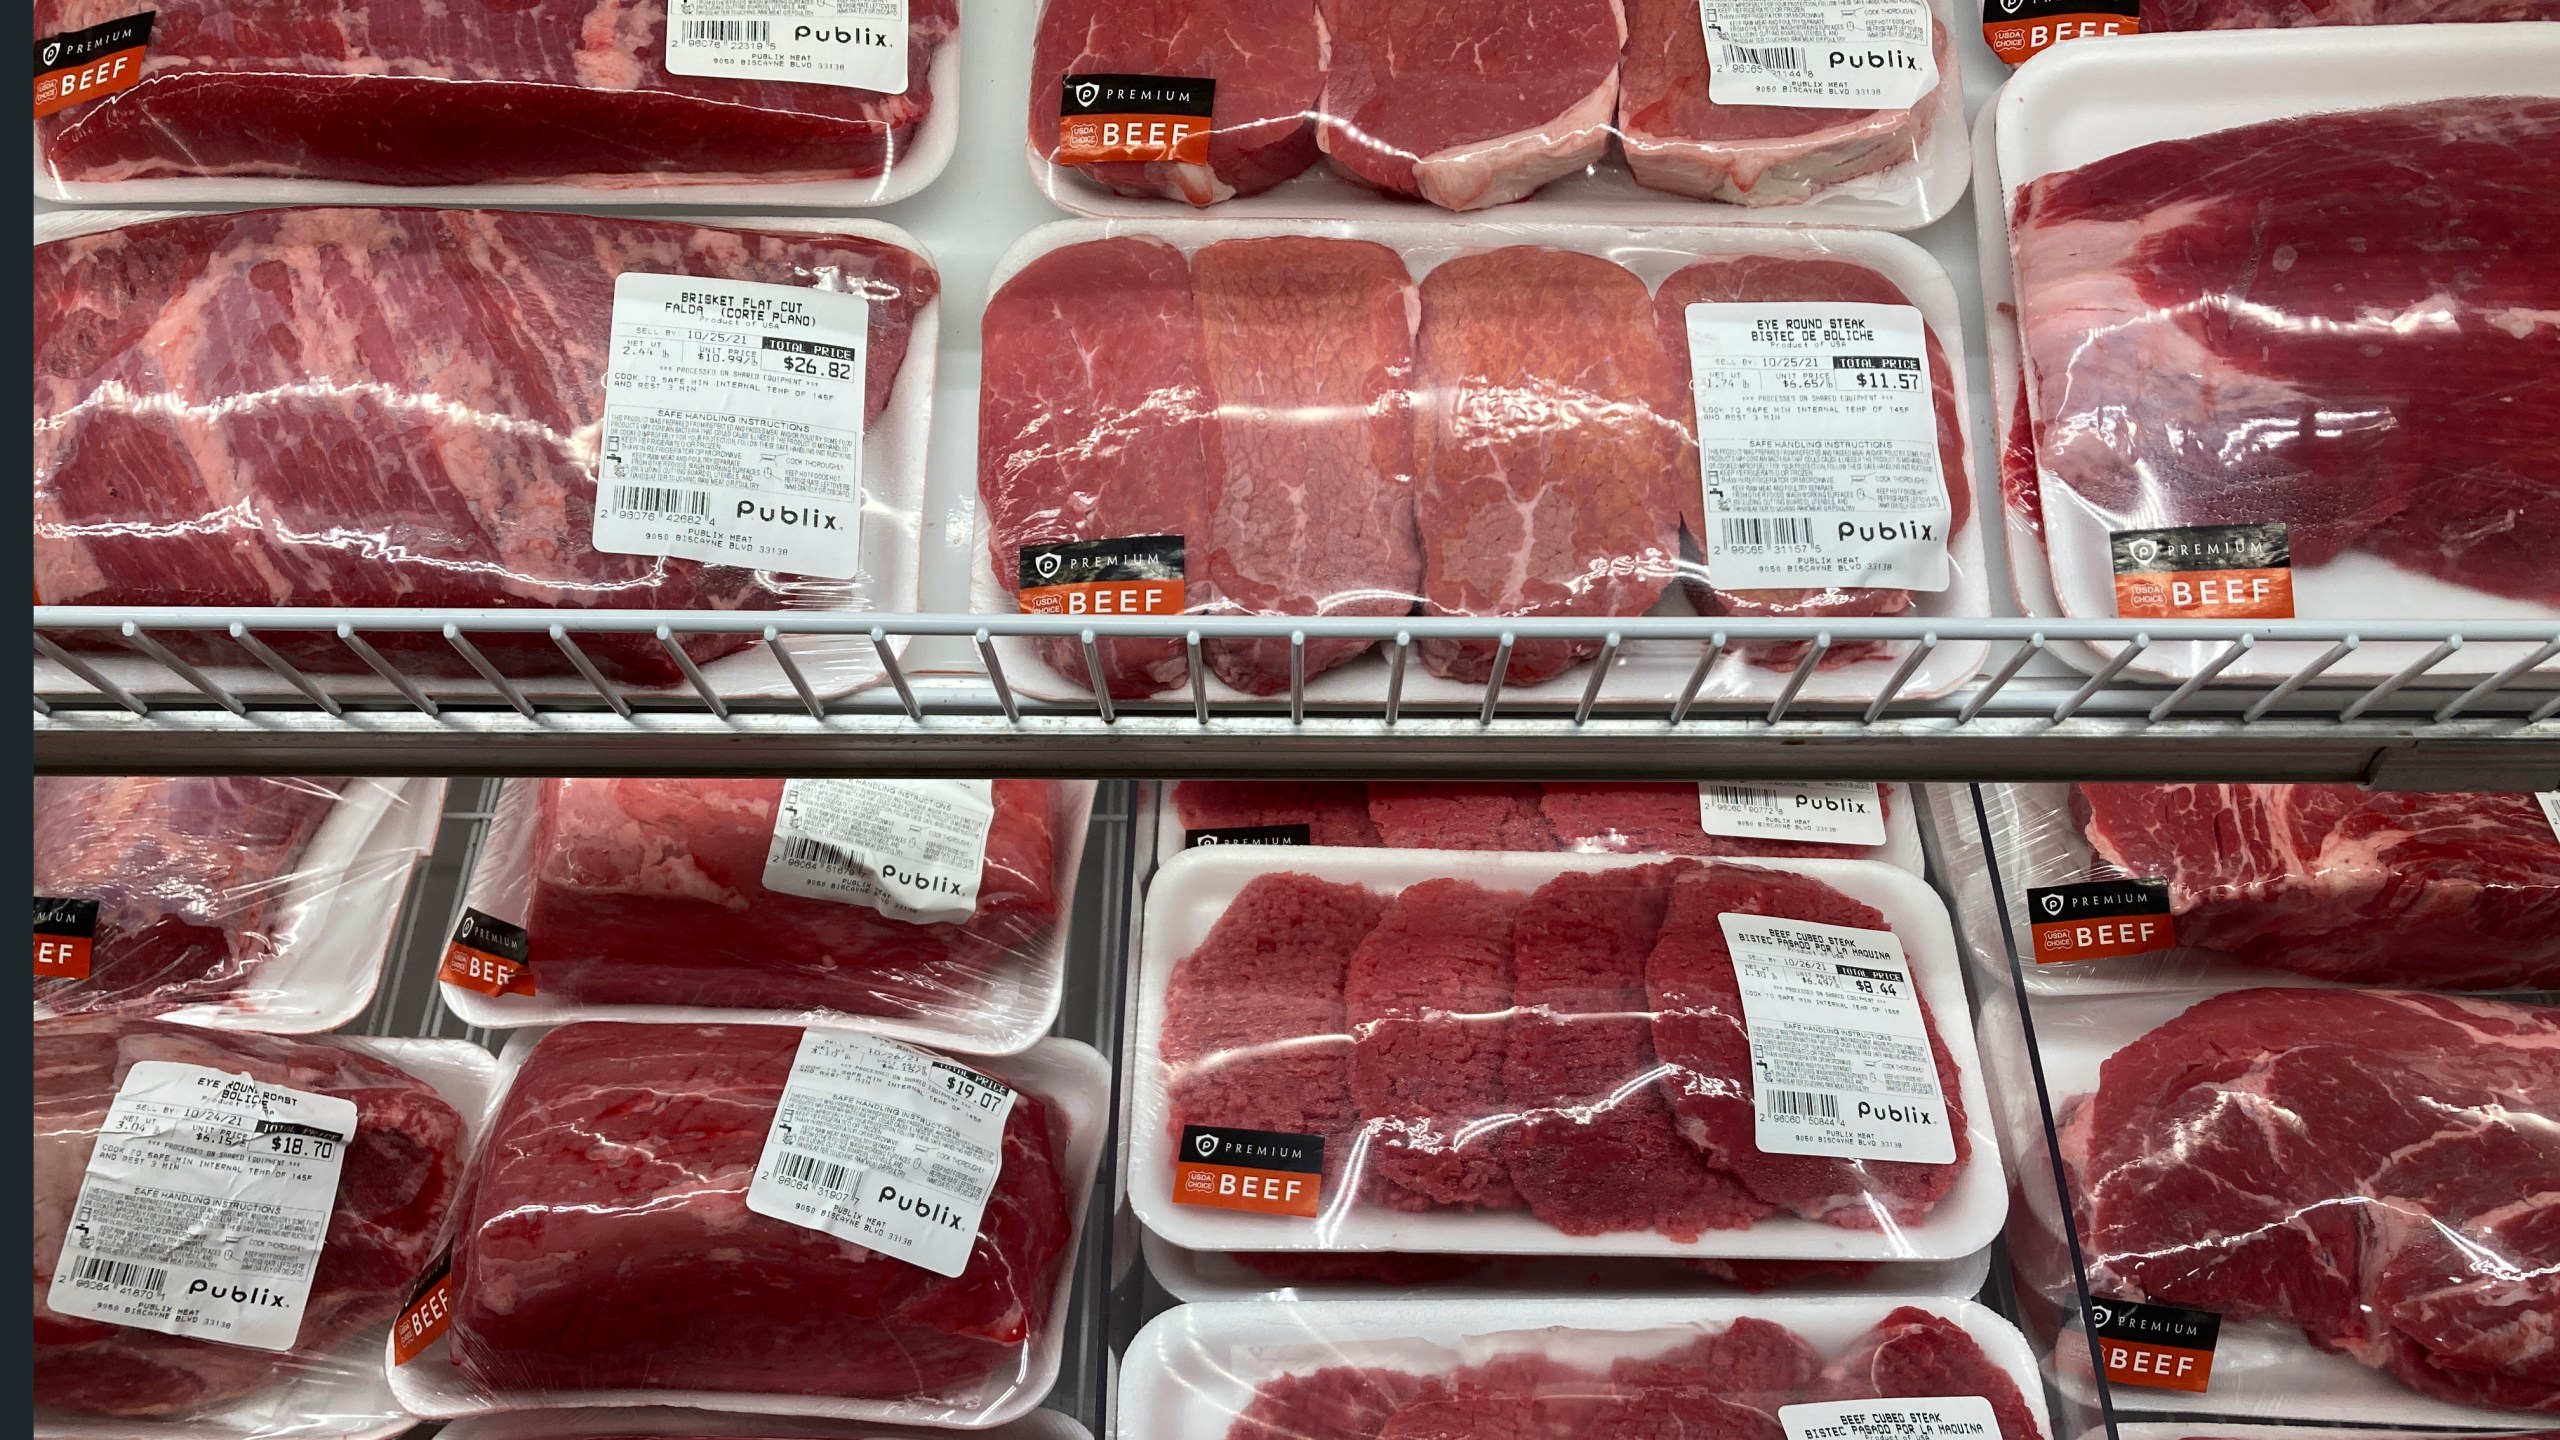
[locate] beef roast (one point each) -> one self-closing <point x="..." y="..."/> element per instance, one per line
<point x="1266" y="56"/>
<point x="1428" y="1001"/>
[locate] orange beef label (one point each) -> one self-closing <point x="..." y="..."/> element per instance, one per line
<point x="1265" y="1172"/>
<point x="78" y="66"/>
<point x="428" y="1314"/>
<point x="2098" y="919"/>
<point x="1135" y="119"/>
<point x="488" y="956"/>
<point x="2203" y="572"/>
<point x="2157" y="1346"/>
<point x="65" y="928"/>
<point x="2018" y="29"/>
<point x="1131" y="575"/>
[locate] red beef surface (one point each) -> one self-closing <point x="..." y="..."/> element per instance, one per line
<point x="1343" y="1402"/>
<point x="395" y="1186"/>
<point x="1467" y="816"/>
<point x="1334" y="812"/>
<point x="606" y="1241"/>
<point x="1915" y="1353"/>
<point x="1615" y="818"/>
<point x="1428" y="998"/>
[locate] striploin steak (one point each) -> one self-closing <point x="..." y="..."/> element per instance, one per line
<point x="1267" y="57"/>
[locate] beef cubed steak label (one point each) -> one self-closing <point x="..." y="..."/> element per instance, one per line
<point x="1836" y="812"/>
<point x="1262" y="1172"/>
<point x="205" y="1206"/>
<point x="2097" y="919"/>
<point x="1821" y="55"/>
<point x="733" y="415"/>
<point x="2018" y="29"/>
<point x="2203" y="572"/>
<point x="1130" y="575"/>
<point x="913" y="850"/>
<point x="1135" y="119"/>
<point x="78" y="66"/>
<point x="2161" y="1346"/>
<point x="488" y="955"/>
<point x="1936" y="1417"/>
<point x="1840" y="1056"/>
<point x="65" y="930"/>
<point x="1818" y="446"/>
<point x="1250" y="835"/>
<point x="884" y="1145"/>
<point x="860" y="44"/>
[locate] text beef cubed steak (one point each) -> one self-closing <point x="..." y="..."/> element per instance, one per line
<point x="606" y="1243"/>
<point x="474" y="92"/>
<point x="2375" y="887"/>
<point x="396" y="1182"/>
<point x="1266" y="56"/>
<point x="1428" y="1000"/>
<point x="382" y="408"/>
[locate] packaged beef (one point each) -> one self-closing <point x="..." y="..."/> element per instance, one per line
<point x="659" y="1216"/>
<point x="365" y="407"/>
<point x="225" y="1224"/>
<point x="2291" y="14"/>
<point x="1263" y="58"/>
<point x="668" y="1422"/>
<point x="1305" y="1275"/>
<point x="1511" y="1054"/>
<point x="933" y="910"/>
<point x="1585" y="1367"/>
<point x="546" y="94"/>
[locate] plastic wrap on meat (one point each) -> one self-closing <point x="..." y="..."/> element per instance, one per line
<point x="1412" y="815"/>
<point x="606" y="1242"/>
<point x="1266" y="56"/>
<point x="1915" y="1354"/>
<point x="1334" y="812"/>
<point x="2376" y="1167"/>
<point x="395" y="1185"/>
<point x="382" y="407"/>
<point x="2341" y="323"/>
<point x="191" y="876"/>
<point x="2293" y="14"/>
<point x="1428" y="999"/>
<point x="651" y="892"/>
<point x="1664" y="819"/>
<point x="474" y="92"/>
<point x="2439" y="891"/>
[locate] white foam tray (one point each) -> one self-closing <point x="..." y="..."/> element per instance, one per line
<point x="1068" y="1073"/>
<point x="700" y="1424"/>
<point x="2075" y="104"/>
<point x="1192" y="1369"/>
<point x="1657" y="672"/>
<point x="1189" y="894"/>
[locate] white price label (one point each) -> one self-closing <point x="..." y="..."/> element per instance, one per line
<point x="1818" y="446"/>
<point x="205" y="1206"/>
<point x="1940" y="1417"/>
<point x="1834" y="812"/>
<point x="1820" y="54"/>
<point x="911" y="849"/>
<point x="733" y="425"/>
<point x="861" y="44"/>
<point x="886" y="1146"/>
<point x="1840" y="1056"/>
<point x="2551" y="809"/>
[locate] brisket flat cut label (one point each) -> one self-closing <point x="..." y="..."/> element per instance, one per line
<point x="2160" y="1346"/>
<point x="1934" y="1417"/>
<point x="858" y="44"/>
<point x="1265" y="1172"/>
<point x="1129" y="575"/>
<point x="428" y="1314"/>
<point x="1135" y="119"/>
<point x="2203" y="572"/>
<point x="78" y="66"/>
<point x="65" y="929"/>
<point x="1250" y="835"/>
<point x="488" y="955"/>
<point x="2098" y="919"/>
<point x="2018" y="29"/>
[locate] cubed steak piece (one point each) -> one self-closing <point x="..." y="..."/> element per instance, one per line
<point x="1096" y="421"/>
<point x="191" y="875"/>
<point x="1341" y="1402"/>
<point x="1465" y="815"/>
<point x="606" y="1243"/>
<point x="1267" y="57"/>
<point x="1522" y="1396"/>
<point x="2376" y="1167"/>
<point x="1677" y="139"/>
<point x="1428" y="998"/>
<point x="2372" y="887"/>
<point x="651" y="892"/>
<point x="1705" y="1049"/>
<point x="1468" y="103"/>
<point x="1662" y="819"/>
<point x="396" y="1182"/>
<point x="474" y="92"/>
<point x="383" y="407"/>
<point x="1310" y="345"/>
<point x="1334" y="812"/>
<point x="1550" y="478"/>
<point x="1919" y="1354"/>
<point x="1752" y="1362"/>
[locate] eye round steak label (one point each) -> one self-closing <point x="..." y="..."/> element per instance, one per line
<point x="733" y="425"/>
<point x="1820" y="54"/>
<point x="1840" y="1056"/>
<point x="913" y="850"/>
<point x="1818" y="446"/>
<point x="886" y="1146"/>
<point x="860" y="44"/>
<point x="1834" y="812"/>
<point x="1940" y="1417"/>
<point x="205" y="1206"/>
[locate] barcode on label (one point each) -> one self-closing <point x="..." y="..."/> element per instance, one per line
<point x="797" y="1169"/>
<point x="1800" y="1104"/>
<point x="1767" y="57"/>
<point x="728" y="32"/>
<point x="664" y="499"/>
<point x="120" y="1275"/>
<point x="1739" y="797"/>
<point x="1767" y="530"/>
<point x="819" y="855"/>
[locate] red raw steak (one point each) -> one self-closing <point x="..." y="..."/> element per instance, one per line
<point x="1266" y="55"/>
<point x="1428" y="999"/>
<point x="1334" y="812"/>
<point x="1340" y="1403"/>
<point x="1463" y="816"/>
<point x="1917" y="1354"/>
